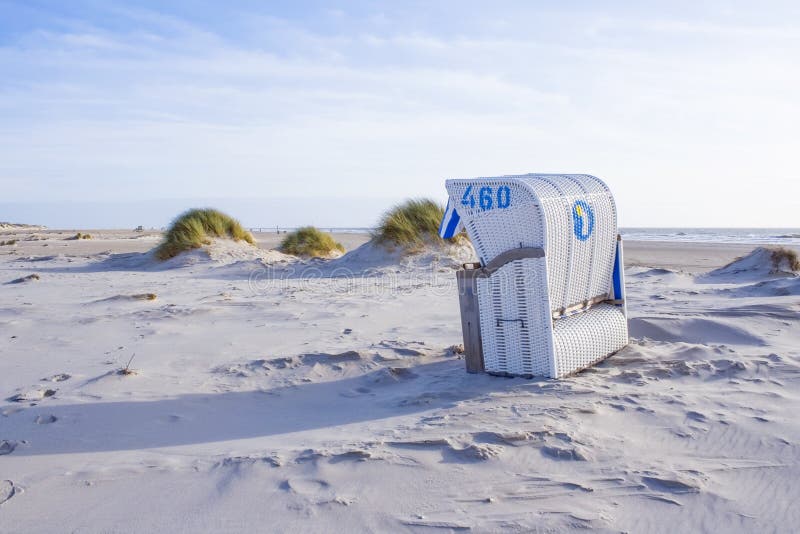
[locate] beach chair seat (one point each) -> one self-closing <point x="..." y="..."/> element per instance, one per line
<point x="547" y="298"/>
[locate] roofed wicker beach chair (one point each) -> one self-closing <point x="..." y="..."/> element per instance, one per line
<point x="548" y="296"/>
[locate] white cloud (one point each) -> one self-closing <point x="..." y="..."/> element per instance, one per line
<point x="378" y="108"/>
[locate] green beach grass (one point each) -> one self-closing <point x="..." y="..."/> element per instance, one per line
<point x="311" y="242"/>
<point x="412" y="223"/>
<point x="195" y="228"/>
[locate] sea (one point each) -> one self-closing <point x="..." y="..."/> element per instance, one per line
<point x="754" y="236"/>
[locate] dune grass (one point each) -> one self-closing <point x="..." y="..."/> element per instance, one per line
<point x="310" y="241"/>
<point x="79" y="236"/>
<point x="195" y="228"/>
<point x="781" y="254"/>
<point x="412" y="223"/>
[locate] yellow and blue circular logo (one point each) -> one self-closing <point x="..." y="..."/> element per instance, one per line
<point x="583" y="220"/>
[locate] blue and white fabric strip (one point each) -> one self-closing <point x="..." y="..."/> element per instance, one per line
<point x="617" y="274"/>
<point x="451" y="222"/>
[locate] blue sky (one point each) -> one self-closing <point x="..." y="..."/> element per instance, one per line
<point x="689" y="110"/>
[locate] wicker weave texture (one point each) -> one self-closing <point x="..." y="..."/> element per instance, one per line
<point x="573" y="218"/>
<point x="578" y="270"/>
<point x="515" y="320"/>
<point x="586" y="338"/>
<point x="540" y="213"/>
<point x="496" y="229"/>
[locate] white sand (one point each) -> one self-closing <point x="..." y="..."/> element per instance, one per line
<point x="271" y="394"/>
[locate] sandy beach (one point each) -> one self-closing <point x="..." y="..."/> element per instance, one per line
<point x="319" y="396"/>
<point x="687" y="257"/>
<point x="249" y="250"/>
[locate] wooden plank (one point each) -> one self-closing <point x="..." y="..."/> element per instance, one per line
<point x="470" y="319"/>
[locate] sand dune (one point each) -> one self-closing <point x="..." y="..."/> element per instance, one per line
<point x="761" y="263"/>
<point x="327" y="395"/>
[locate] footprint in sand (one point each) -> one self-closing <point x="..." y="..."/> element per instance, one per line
<point x="45" y="419"/>
<point x="32" y="395"/>
<point x="316" y="491"/>
<point x="60" y="377"/>
<point x="7" y="490"/>
<point x="7" y="447"/>
<point x="313" y="489"/>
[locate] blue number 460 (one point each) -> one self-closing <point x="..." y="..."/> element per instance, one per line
<point x="487" y="199"/>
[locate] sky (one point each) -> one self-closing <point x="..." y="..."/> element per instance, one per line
<point x="115" y="114"/>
